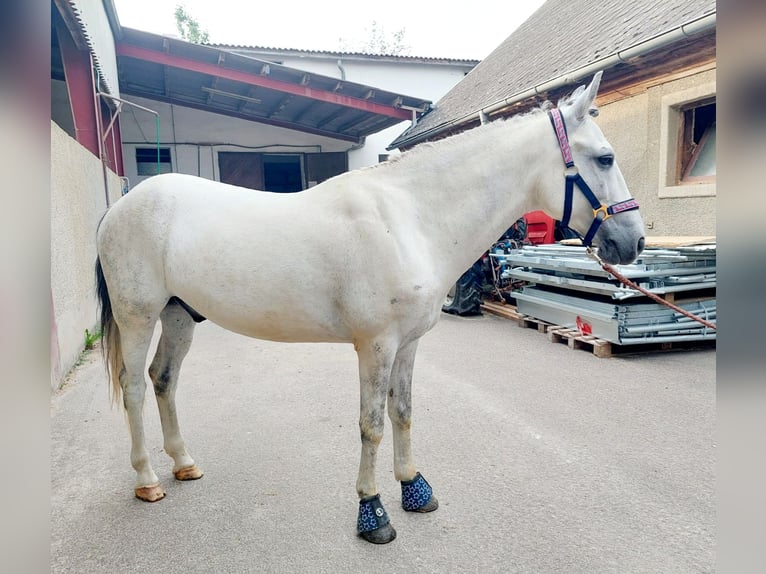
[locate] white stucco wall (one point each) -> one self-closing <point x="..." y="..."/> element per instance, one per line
<point x="77" y="204"/>
<point x="195" y="137"/>
<point x="419" y="78"/>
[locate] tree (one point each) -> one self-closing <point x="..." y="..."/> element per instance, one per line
<point x="377" y="41"/>
<point x="188" y="26"/>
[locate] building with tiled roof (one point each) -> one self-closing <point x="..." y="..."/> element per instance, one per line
<point x="657" y="95"/>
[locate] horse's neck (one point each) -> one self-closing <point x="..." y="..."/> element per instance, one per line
<point x="470" y="190"/>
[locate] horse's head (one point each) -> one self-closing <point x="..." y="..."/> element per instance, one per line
<point x="589" y="193"/>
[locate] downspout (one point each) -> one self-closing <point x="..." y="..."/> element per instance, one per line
<point x="692" y="28"/>
<point x="99" y="127"/>
<point x="342" y="69"/>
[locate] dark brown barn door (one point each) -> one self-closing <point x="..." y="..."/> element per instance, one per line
<point x="241" y="168"/>
<point x="279" y="172"/>
<point x="322" y="166"/>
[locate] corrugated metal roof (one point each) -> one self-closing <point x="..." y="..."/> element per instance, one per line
<point x="267" y="50"/>
<point x="561" y="36"/>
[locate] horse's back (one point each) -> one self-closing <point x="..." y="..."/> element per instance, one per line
<point x="321" y="265"/>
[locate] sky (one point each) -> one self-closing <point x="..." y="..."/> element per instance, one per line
<point x="434" y="30"/>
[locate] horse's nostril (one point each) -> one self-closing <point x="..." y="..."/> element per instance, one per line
<point x="641" y="243"/>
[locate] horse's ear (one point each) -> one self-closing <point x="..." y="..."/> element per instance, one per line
<point x="583" y="101"/>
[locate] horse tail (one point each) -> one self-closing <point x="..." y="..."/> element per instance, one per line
<point x="111" y="347"/>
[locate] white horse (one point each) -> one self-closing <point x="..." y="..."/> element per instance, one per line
<point x="181" y="249"/>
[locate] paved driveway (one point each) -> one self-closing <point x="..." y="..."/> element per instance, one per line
<point x="544" y="459"/>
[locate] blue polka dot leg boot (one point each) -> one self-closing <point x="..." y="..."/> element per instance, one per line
<point x="418" y="496"/>
<point x="373" y="524"/>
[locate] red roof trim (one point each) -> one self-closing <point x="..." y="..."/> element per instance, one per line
<point x="148" y="55"/>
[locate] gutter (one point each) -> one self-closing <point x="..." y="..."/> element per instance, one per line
<point x="114" y="21"/>
<point x="691" y="28"/>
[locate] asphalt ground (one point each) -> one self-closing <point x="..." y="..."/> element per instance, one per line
<point x="544" y="459"/>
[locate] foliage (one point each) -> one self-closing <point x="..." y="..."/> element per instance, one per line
<point x="188" y="26"/>
<point x="91" y="338"/>
<point x="377" y="41"/>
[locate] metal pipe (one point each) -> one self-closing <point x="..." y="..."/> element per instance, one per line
<point x="111" y="122"/>
<point x="116" y="99"/>
<point x="156" y="124"/>
<point x="710" y="336"/>
<point x="99" y="126"/>
<point x="659" y="327"/>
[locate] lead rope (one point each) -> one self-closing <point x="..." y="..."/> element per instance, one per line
<point x="611" y="270"/>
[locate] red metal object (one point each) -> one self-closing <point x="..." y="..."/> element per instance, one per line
<point x="163" y="58"/>
<point x="540" y="227"/>
<point x="583" y="327"/>
<point x="79" y="83"/>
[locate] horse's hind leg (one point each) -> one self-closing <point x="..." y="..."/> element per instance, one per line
<point x="176" y="338"/>
<point x="417" y="494"/>
<point x="135" y="340"/>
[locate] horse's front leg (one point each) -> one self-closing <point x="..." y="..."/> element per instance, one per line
<point x="375" y="362"/>
<point x="417" y="495"/>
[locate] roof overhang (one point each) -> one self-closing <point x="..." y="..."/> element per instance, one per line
<point x="683" y="47"/>
<point x="216" y="80"/>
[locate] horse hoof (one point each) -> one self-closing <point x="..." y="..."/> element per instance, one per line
<point x="382" y="535"/>
<point x="373" y="524"/>
<point x="188" y="473"/>
<point x="418" y="496"/>
<point x="429" y="506"/>
<point x="151" y="493"/>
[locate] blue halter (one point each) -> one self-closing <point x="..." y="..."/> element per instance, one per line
<point x="601" y="212"/>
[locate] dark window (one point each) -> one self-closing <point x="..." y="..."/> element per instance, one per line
<point x="697" y="153"/>
<point x="147" y="160"/>
<point x="282" y="173"/>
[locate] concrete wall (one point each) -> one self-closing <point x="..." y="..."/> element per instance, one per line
<point x="77" y="204"/>
<point x="643" y="138"/>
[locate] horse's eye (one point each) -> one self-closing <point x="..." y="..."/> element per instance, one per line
<point x="606" y="160"/>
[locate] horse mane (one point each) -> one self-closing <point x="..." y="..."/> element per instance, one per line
<point x="544" y="107"/>
<point x="451" y="139"/>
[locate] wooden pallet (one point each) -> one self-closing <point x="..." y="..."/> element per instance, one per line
<point x="504" y="310"/>
<point x="604" y="349"/>
<point x="576" y="340"/>
<point x="508" y="311"/>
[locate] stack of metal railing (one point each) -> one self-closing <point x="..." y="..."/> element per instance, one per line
<point x="562" y="285"/>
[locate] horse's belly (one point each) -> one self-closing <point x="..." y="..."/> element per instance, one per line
<point x="291" y="325"/>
